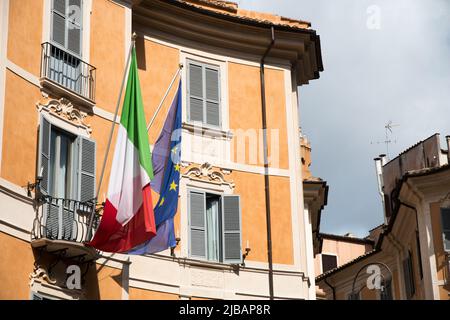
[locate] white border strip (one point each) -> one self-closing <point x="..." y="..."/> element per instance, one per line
<point x="4" y="23"/>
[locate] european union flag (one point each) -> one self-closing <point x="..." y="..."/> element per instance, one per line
<point x="166" y="157"/>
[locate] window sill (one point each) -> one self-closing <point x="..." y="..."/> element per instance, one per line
<point x="61" y="91"/>
<point x="207" y="131"/>
<point x="199" y="263"/>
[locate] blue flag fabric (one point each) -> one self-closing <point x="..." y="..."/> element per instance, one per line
<point x="166" y="159"/>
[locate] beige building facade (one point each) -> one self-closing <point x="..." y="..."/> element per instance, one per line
<point x="410" y="257"/>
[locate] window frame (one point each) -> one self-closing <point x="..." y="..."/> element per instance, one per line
<point x="73" y="162"/>
<point x="66" y="29"/>
<point x="328" y="254"/>
<point x="221" y="239"/>
<point x="444" y="231"/>
<point x="205" y="100"/>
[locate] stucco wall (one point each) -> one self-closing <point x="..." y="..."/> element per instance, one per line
<point x="25" y="34"/>
<point x="19" y="130"/>
<point x="14" y="276"/>
<point x="107" y="51"/>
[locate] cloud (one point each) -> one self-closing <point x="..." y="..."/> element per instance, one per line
<point x="399" y="72"/>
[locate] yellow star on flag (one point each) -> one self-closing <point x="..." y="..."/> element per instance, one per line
<point x="162" y="201"/>
<point x="177" y="167"/>
<point x="174" y="149"/>
<point x="173" y="186"/>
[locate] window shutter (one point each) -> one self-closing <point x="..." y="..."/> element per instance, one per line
<point x="35" y="296"/>
<point x="407" y="278"/>
<point x="353" y="296"/>
<point x="196" y="98"/>
<point x="197" y="209"/>
<point x="386" y="294"/>
<point x="74" y="26"/>
<point x="445" y="221"/>
<point x="86" y="169"/>
<point x="231" y="222"/>
<point x="212" y="96"/>
<point x="59" y="22"/>
<point x="44" y="154"/>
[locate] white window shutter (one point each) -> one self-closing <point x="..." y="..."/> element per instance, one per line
<point x="197" y="225"/>
<point x="86" y="169"/>
<point x="45" y="130"/>
<point x="231" y="229"/>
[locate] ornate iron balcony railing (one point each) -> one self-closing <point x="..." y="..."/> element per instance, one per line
<point x="68" y="71"/>
<point x="64" y="219"/>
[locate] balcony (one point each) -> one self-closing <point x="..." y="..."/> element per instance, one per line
<point x="64" y="225"/>
<point x="67" y="75"/>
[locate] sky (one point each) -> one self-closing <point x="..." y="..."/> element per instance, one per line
<point x="384" y="61"/>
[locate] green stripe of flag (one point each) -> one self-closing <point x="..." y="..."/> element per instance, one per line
<point x="133" y="117"/>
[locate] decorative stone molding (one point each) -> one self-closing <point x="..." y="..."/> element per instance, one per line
<point x="41" y="274"/>
<point x="207" y="172"/>
<point x="65" y="110"/>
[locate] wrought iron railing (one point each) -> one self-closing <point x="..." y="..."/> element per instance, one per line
<point x="68" y="71"/>
<point x="65" y="219"/>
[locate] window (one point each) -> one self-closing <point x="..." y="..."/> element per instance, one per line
<point x="215" y="227"/>
<point x="328" y="262"/>
<point x="67" y="25"/>
<point x="39" y="296"/>
<point x="64" y="64"/>
<point x="61" y="164"/>
<point x="408" y="274"/>
<point x="354" y="296"/>
<point x="386" y="292"/>
<point x="203" y="94"/>
<point x="445" y="222"/>
<point x="67" y="166"/>
<point x="419" y="254"/>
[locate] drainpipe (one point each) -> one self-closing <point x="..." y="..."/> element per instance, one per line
<point x="333" y="289"/>
<point x="379" y="173"/>
<point x="448" y="148"/>
<point x="266" y="165"/>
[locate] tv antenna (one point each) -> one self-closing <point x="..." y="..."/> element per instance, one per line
<point x="387" y="136"/>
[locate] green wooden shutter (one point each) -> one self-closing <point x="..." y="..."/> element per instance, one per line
<point x="45" y="130"/>
<point x="445" y="222"/>
<point x="231" y="229"/>
<point x="197" y="225"/>
<point x="212" y="96"/>
<point x="86" y="169"/>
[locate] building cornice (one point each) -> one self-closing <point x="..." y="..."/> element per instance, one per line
<point x="299" y="46"/>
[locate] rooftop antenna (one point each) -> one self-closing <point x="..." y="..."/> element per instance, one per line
<point x="387" y="136"/>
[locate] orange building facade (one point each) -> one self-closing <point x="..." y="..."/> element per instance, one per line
<point x="61" y="67"/>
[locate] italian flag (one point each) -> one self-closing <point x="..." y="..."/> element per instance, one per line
<point x="128" y="219"/>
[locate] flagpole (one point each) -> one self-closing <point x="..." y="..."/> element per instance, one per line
<point x="180" y="67"/>
<point x="133" y="43"/>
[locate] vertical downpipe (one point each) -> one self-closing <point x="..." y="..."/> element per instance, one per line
<point x="266" y="165"/>
<point x="447" y="138"/>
